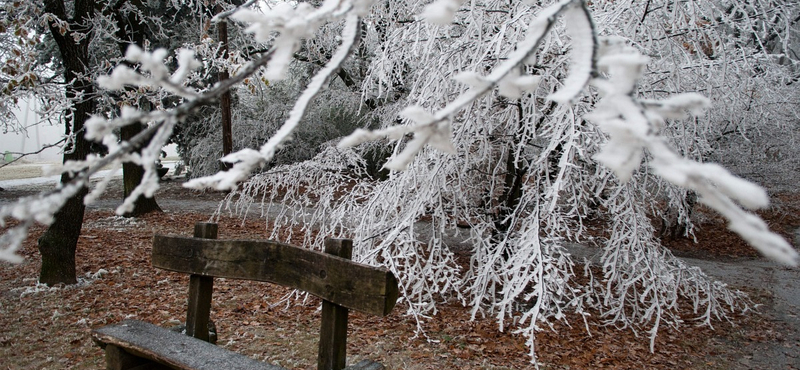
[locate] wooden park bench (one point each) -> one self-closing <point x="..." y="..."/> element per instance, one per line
<point x="332" y="276"/>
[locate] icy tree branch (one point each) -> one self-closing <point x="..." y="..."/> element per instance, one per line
<point x="245" y="161"/>
<point x="434" y="129"/>
<point x="634" y="126"/>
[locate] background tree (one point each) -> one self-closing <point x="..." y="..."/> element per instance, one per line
<point x="79" y="40"/>
<point x="131" y="29"/>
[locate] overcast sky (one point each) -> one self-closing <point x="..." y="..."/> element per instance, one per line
<point x="36" y="137"/>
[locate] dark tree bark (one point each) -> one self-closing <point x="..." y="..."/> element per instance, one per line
<point x="132" y="175"/>
<point x="225" y="99"/>
<point x="132" y="31"/>
<point x="59" y="242"/>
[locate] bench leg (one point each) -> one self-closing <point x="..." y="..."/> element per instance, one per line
<point x="333" y="337"/>
<point x="200" y="291"/>
<point x="118" y="359"/>
<point x="333" y="331"/>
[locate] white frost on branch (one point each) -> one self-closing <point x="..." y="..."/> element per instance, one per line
<point x="426" y="131"/>
<point x="472" y="79"/>
<point x="634" y="126"/>
<point x="441" y="12"/>
<point x="247" y="160"/>
<point x="361" y="135"/>
<point x="40" y="208"/>
<point x="153" y="62"/>
<point x="513" y="86"/>
<point x="292" y="23"/>
<point x="121" y="76"/>
<point x="98" y="127"/>
<point x="679" y="106"/>
<point x="580" y="29"/>
<point x="186" y="65"/>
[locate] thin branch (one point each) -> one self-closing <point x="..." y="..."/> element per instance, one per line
<point x="221" y="16"/>
<point x="177" y="113"/>
<point x="22" y="155"/>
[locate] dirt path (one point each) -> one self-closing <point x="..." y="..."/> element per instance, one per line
<point x="781" y="289"/>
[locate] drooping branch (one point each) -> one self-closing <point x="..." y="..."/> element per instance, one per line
<point x="245" y="161"/>
<point x="435" y="129"/>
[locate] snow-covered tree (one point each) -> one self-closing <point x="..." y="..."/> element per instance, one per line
<point x="54" y="51"/>
<point x="521" y="121"/>
<point x="522" y="168"/>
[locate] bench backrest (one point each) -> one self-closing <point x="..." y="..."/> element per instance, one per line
<point x="332" y="276"/>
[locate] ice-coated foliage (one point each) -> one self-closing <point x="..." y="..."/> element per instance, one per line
<point x="525" y="177"/>
<point x="519" y="122"/>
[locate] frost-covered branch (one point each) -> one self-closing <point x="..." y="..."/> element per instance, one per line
<point x="434" y="129"/>
<point x="47" y="204"/>
<point x="245" y="161"/>
<point x="635" y="126"/>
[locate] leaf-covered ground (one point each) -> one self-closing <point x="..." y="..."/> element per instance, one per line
<point x="49" y="328"/>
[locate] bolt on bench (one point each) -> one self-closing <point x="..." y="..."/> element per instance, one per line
<point x="341" y="283"/>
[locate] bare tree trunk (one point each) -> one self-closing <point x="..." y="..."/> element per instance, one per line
<point x="225" y="99"/>
<point x="132" y="175"/>
<point x="59" y="242"/>
<point x="131" y="31"/>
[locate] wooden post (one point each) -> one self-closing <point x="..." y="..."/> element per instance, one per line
<point x="333" y="331"/>
<point x="200" y="290"/>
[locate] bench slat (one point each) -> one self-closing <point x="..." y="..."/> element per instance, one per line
<point x="173" y="349"/>
<point x="182" y="352"/>
<point x="359" y="287"/>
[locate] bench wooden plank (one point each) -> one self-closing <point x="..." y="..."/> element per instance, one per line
<point x="368" y="289"/>
<point x="178" y="351"/>
<point x="173" y="349"/>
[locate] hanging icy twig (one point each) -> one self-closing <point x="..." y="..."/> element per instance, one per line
<point x="643" y="280"/>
